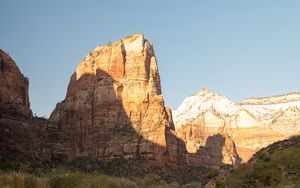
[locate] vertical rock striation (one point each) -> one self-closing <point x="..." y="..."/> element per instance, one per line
<point x="114" y="107"/>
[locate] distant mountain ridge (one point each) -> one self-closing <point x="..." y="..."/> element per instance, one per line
<point x="293" y="96"/>
<point x="252" y="124"/>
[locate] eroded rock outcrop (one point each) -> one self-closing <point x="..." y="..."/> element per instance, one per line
<point x="114" y="107"/>
<point x="245" y="127"/>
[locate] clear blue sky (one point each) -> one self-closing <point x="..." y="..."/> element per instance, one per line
<point x="239" y="48"/>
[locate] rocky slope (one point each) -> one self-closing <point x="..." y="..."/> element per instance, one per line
<point x="114" y="107"/>
<point x="248" y="126"/>
<point x="20" y="133"/>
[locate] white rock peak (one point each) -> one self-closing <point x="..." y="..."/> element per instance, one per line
<point x="201" y="102"/>
<point x="265" y="110"/>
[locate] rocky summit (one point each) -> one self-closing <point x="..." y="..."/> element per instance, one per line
<point x="114" y="107"/>
<point x="244" y="128"/>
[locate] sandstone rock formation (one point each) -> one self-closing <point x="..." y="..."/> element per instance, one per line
<point x="13" y="87"/>
<point x="20" y="133"/>
<point x="245" y="127"/>
<point x="114" y="107"/>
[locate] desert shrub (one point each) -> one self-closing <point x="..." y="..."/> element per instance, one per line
<point x="275" y="166"/>
<point x="191" y="185"/>
<point x="150" y="180"/>
<point x="66" y="180"/>
<point x="91" y="180"/>
<point x="85" y="164"/>
<point x="153" y="179"/>
<point x="62" y="178"/>
<point x="22" y="180"/>
<point x="88" y="172"/>
<point x="102" y="181"/>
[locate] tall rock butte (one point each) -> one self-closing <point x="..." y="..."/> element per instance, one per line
<point x="207" y="117"/>
<point x="20" y="133"/>
<point x="114" y="107"/>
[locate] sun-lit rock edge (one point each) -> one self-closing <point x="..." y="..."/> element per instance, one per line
<point x="117" y="87"/>
<point x="251" y="125"/>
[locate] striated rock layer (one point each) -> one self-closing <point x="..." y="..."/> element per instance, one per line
<point x="114" y="107"/>
<point x="20" y="133"/>
<point x="245" y="127"/>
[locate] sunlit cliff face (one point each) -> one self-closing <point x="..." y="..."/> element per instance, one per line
<point x="117" y="87"/>
<point x="111" y="56"/>
<point x="132" y="66"/>
<point x="253" y="124"/>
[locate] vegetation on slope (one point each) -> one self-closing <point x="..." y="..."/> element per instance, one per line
<point x="86" y="172"/>
<point x="277" y="165"/>
<point x="59" y="178"/>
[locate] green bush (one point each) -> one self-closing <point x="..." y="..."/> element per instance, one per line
<point x="272" y="167"/>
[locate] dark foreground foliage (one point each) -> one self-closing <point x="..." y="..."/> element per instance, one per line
<point x="140" y="167"/>
<point x="86" y="172"/>
<point x="277" y="165"/>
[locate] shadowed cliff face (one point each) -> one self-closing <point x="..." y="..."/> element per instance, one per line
<point x="20" y="133"/>
<point x="13" y="87"/>
<point x="99" y="127"/>
<point x="213" y="154"/>
<point x="114" y="108"/>
<point x="207" y="147"/>
<point x="93" y="122"/>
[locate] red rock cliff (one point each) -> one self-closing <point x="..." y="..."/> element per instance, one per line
<point x="13" y="87"/>
<point x="20" y="133"/>
<point x="114" y="107"/>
